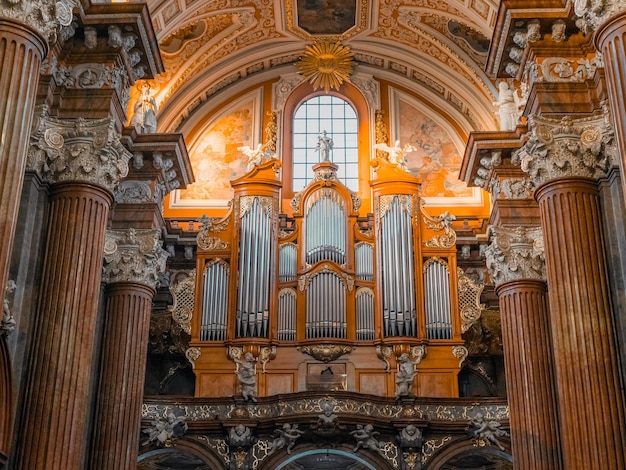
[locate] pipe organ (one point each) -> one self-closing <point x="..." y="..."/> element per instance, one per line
<point x="321" y="276"/>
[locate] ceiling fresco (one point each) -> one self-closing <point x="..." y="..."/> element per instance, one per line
<point x="214" y="49"/>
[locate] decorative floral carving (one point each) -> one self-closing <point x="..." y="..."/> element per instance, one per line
<point x="326" y="352"/>
<point x="183" y="295"/>
<point x="439" y="223"/>
<point x="469" y="300"/>
<point x="460" y="352"/>
<point x="515" y="253"/>
<point x="566" y="147"/>
<point x="133" y="192"/>
<point x="192" y="355"/>
<point x="208" y="243"/>
<point x="303" y="281"/>
<point x="78" y="150"/>
<point x="385" y="353"/>
<point x="133" y="256"/>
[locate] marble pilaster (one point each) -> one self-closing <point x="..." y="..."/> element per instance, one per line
<point x="564" y="158"/>
<point x="83" y="160"/>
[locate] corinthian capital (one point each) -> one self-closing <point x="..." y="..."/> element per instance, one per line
<point x="133" y="256"/>
<point x="46" y="17"/>
<point x="566" y="147"/>
<point x="515" y="253"/>
<point x="78" y="150"/>
<point x="592" y="13"/>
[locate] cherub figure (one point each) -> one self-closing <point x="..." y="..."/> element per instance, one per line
<point x="366" y="438"/>
<point x="410" y="437"/>
<point x="405" y="375"/>
<point x="396" y="154"/>
<point x="240" y="436"/>
<point x="486" y="431"/>
<point x="246" y="374"/>
<point x="165" y="430"/>
<point x="286" y="436"/>
<point x="255" y="156"/>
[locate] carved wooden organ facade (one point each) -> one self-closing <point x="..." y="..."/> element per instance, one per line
<point x="326" y="285"/>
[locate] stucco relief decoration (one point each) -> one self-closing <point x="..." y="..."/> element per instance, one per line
<point x="133" y="256"/>
<point x="566" y="147"/>
<point x="133" y="192"/>
<point x="559" y="69"/>
<point x="48" y="18"/>
<point x="515" y="253"/>
<point x="183" y="295"/>
<point x="326" y="65"/>
<point x="77" y="150"/>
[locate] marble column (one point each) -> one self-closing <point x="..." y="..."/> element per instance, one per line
<point x="564" y="158"/>
<point x="133" y="260"/>
<point x="83" y="160"/>
<point x="517" y="268"/>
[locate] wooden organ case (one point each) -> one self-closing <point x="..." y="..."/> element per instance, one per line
<point x="325" y="297"/>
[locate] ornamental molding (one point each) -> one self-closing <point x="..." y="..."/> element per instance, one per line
<point x="134" y="256"/>
<point x="303" y="281"/>
<point x="134" y="192"/>
<point x="208" y="243"/>
<point x="326" y="352"/>
<point x="370" y="88"/>
<point x="515" y="253"/>
<point x="560" y="69"/>
<point x="592" y="13"/>
<point x="344" y="406"/>
<point x="47" y="18"/>
<point x="78" y="150"/>
<point x="567" y="147"/>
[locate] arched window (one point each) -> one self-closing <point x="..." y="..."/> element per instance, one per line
<point x="338" y="118"/>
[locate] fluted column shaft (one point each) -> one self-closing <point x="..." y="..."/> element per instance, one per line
<point x="123" y="365"/>
<point x="611" y="41"/>
<point x="591" y="406"/>
<point x="529" y="374"/>
<point x="21" y="53"/>
<point x="54" y="427"/>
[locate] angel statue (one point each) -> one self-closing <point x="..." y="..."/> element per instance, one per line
<point x="396" y="154"/>
<point x="255" y="155"/>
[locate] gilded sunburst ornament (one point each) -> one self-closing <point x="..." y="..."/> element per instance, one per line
<point x="326" y="65"/>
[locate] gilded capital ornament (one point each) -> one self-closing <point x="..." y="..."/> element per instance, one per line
<point x="47" y="18"/>
<point x="77" y="150"/>
<point x="566" y="147"/>
<point x="133" y="256"/>
<point x="515" y="253"/>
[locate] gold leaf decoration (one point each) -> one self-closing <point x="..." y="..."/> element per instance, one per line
<point x="326" y="65"/>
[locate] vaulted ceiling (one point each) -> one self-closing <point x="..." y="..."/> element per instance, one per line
<point x="436" y="48"/>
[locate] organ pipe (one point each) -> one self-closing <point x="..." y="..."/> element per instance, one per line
<point x="252" y="319"/>
<point x="215" y="301"/>
<point x="437" y="299"/>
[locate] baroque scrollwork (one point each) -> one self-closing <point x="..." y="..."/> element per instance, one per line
<point x="592" y="13"/>
<point x="77" y="150"/>
<point x="515" y="253"/>
<point x="326" y="352"/>
<point x="442" y="222"/>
